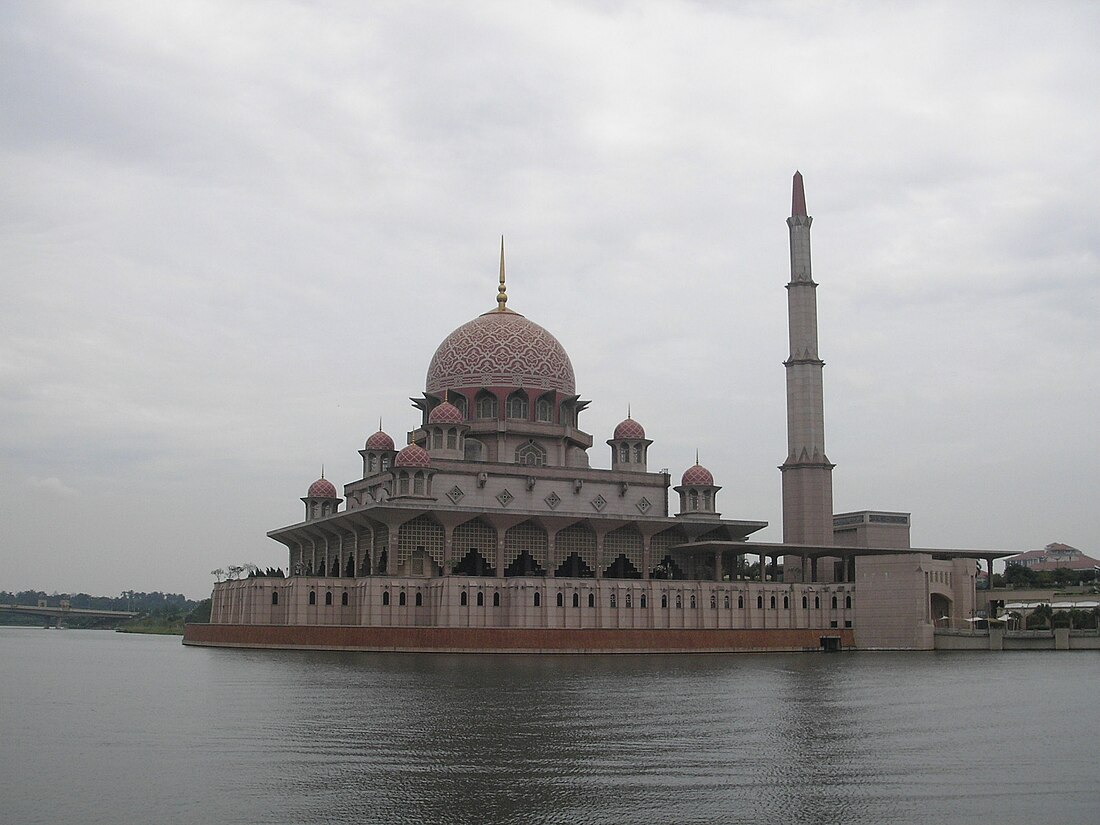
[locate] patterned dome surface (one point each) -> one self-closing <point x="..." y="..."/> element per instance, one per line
<point x="379" y="441"/>
<point x="629" y="428"/>
<point x="500" y="349"/>
<point x="698" y="476"/>
<point x="445" y="413"/>
<point x="321" y="488"/>
<point x="413" y="456"/>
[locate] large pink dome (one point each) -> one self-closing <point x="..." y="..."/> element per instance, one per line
<point x="500" y="349"/>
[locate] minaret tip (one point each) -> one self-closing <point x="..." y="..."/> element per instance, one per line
<point x="502" y="290"/>
<point x="798" y="197"/>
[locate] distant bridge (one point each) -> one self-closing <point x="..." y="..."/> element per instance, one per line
<point x="56" y="616"/>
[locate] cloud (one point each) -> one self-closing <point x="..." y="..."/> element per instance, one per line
<point x="52" y="486"/>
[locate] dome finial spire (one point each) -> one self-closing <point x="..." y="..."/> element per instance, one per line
<point x="502" y="290"/>
<point x="322" y="471"/>
<point x="628" y="411"/>
<point x="696" y="455"/>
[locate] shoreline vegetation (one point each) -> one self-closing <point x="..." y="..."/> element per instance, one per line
<point x="158" y="613"/>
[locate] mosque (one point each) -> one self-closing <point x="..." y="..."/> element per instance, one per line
<point x="490" y="531"/>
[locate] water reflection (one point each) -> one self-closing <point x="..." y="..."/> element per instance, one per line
<point x="151" y="729"/>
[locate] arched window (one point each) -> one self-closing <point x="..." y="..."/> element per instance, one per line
<point x="679" y="601"/>
<point x="693" y="500"/>
<point x="847" y="602"/>
<point x="372" y="464"/>
<point x="344" y="599"/>
<point x="496" y="599"/>
<point x="385" y="463"/>
<point x="713" y="602"/>
<point x="664" y="600"/>
<point x="401" y="599"/>
<point x="328" y="599"/>
<point x="637" y="453"/>
<point x="452" y="439"/>
<point x="561" y="600"/>
<point x="403" y="483"/>
<point x="817" y="602"/>
<point x="486" y="406"/>
<point x="834" y="602"/>
<point x="624" y="453"/>
<point x="740" y="602"/>
<point x="538" y="599"/>
<point x="642" y="601"/>
<point x="385" y="598"/>
<point x="628" y="600"/>
<point x="805" y="602"/>
<point x="460" y="402"/>
<point x="419" y="599"/>
<point x="576" y="600"/>
<point x="274" y="596"/>
<point x="480" y="599"/>
<point x="706" y="499"/>
<point x="692" y="601"/>
<point x="418" y="483"/>
<point x="613" y="602"/>
<point x="517" y="405"/>
<point x="759" y="602"/>
<point x="771" y="602"/>
<point x="786" y="603"/>
<point x="531" y="455"/>
<point x="437" y="438"/>
<point x="463" y="600"/>
<point x="544" y="410"/>
<point x="726" y="603"/>
<point x="591" y="599"/>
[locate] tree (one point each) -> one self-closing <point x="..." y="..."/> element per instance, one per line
<point x="1040" y="618"/>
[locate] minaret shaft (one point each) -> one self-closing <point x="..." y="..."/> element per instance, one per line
<point x="807" y="472"/>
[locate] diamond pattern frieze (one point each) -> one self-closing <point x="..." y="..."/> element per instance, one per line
<point x="504" y="497"/>
<point x="455" y="494"/>
<point x="598" y="503"/>
<point x="643" y="505"/>
<point x="552" y="501"/>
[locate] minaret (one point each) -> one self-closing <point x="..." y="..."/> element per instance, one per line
<point x="807" y="472"/>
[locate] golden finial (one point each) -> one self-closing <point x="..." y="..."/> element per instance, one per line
<point x="502" y="290"/>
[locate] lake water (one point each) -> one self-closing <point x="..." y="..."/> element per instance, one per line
<point x="102" y="727"/>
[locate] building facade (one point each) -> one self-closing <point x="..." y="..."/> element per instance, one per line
<point x="490" y="517"/>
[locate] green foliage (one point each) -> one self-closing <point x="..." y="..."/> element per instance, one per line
<point x="200" y="614"/>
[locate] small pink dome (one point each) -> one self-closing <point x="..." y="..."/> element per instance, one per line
<point x="445" y="413"/>
<point x="629" y="428"/>
<point x="697" y="476"/>
<point x="413" y="456"/>
<point x="322" y="488"/>
<point x="379" y="441"/>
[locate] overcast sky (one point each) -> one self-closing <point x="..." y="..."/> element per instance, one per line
<point x="233" y="234"/>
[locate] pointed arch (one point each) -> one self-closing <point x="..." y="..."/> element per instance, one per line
<point x="473" y="549"/>
<point x="421" y="536"/>
<point x="575" y="545"/>
<point x="623" y="547"/>
<point x="525" y="547"/>
<point x="518" y="407"/>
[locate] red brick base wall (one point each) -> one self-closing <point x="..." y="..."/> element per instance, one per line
<point x="509" y="640"/>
